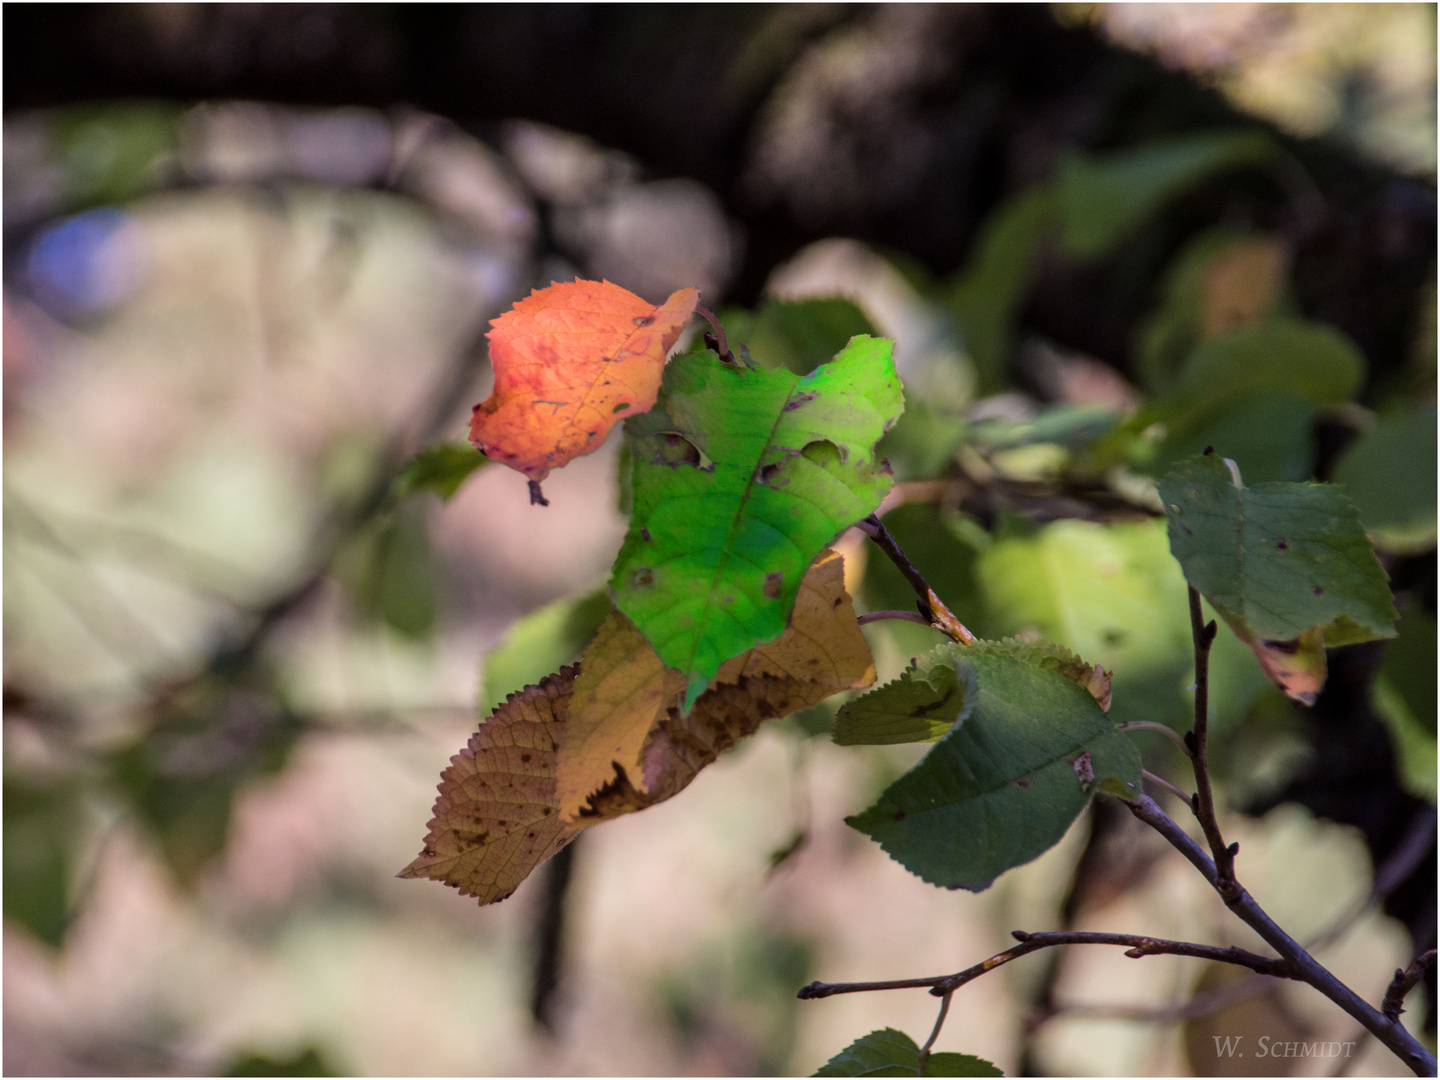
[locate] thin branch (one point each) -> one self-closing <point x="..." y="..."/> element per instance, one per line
<point x="1203" y="634"/>
<point x="1164" y="729"/>
<point x="1160" y="781"/>
<point x="1202" y="1004"/>
<point x="1307" y="969"/>
<point x="898" y="616"/>
<point x="1136" y="946"/>
<point x="1403" y="983"/>
<point x="931" y="606"/>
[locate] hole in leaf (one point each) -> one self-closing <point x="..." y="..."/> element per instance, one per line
<point x="824" y="453"/>
<point x="675" y="449"/>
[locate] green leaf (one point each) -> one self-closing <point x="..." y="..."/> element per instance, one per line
<point x="180" y="777"/>
<point x="1113" y="594"/>
<point x="1276" y="560"/>
<point x="1389" y="474"/>
<point x="40" y="834"/>
<point x="1253" y="394"/>
<point x="888" y="1052"/>
<point x="539" y="643"/>
<point x="389" y="571"/>
<point x="920" y="706"/>
<point x="796" y="334"/>
<point x="922" y="442"/>
<point x="307" y="1062"/>
<point x="1270" y="436"/>
<point x="1003" y="786"/>
<point x="1280" y="355"/>
<point x="948" y="1063"/>
<point x="1405" y="697"/>
<point x="441" y="469"/>
<point x="985" y="300"/>
<point x="1167" y="335"/>
<point x="1101" y="199"/>
<point x="741" y="477"/>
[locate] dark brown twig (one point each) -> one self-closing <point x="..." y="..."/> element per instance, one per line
<point x="1136" y="946"/>
<point x="1203" y="804"/>
<point x="1403" y="983"/>
<point x="931" y="606"/>
<point x="1306" y="968"/>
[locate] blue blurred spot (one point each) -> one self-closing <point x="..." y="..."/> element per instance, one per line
<point x="79" y="267"/>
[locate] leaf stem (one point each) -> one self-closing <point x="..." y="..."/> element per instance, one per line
<point x="898" y="616"/>
<point x="1160" y="781"/>
<point x="931" y="606"/>
<point x="1136" y="946"/>
<point x="1163" y="729"/>
<point x="935" y="1032"/>
<point x="1203" y="803"/>
<point x="718" y="344"/>
<point x="1305" y="967"/>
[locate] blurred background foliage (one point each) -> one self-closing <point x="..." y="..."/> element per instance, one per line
<point x="255" y="590"/>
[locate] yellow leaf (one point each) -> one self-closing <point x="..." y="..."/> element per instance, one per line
<point x="620" y="691"/>
<point x="498" y="813"/>
<point x="821" y="652"/>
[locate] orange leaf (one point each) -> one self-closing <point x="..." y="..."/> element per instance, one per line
<point x="569" y="362"/>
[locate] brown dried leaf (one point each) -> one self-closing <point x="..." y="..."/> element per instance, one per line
<point x="496" y="817"/>
<point x="498" y="814"/>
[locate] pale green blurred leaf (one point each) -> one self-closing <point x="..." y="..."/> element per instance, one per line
<point x="1405" y="697"/>
<point x="1389" y="474"/>
<point x="540" y="643"/>
<point x="1101" y="199"/>
<point x="797" y="334"/>
<point x="1113" y="594"/>
<point x="440" y="469"/>
<point x="985" y="299"/>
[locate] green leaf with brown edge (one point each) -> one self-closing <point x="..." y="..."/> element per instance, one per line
<point x="1283" y="564"/>
<point x="888" y="1052"/>
<point x="1003" y="785"/>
